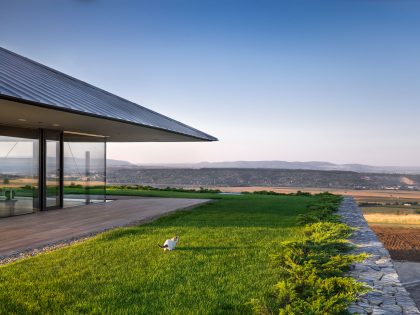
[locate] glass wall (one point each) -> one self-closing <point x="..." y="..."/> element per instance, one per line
<point x="52" y="169"/>
<point x="18" y="171"/>
<point x="84" y="169"/>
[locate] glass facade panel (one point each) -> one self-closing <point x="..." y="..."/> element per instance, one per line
<point x="52" y="169"/>
<point x="19" y="158"/>
<point x="84" y="169"/>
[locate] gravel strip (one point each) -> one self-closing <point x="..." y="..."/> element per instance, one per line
<point x="388" y="296"/>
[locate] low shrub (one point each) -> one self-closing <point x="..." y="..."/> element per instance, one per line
<point x="174" y="189"/>
<point x="312" y="270"/>
<point x="302" y="193"/>
<point x="27" y="187"/>
<point x="265" y="192"/>
<point x="317" y="216"/>
<point x="327" y="231"/>
<point x="316" y="295"/>
<point x="273" y="193"/>
<point x="73" y="185"/>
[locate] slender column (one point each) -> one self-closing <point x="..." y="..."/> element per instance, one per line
<point x="42" y="167"/>
<point x="104" y="169"/>
<point x="36" y="167"/>
<point x="61" y="167"/>
<point x="87" y="171"/>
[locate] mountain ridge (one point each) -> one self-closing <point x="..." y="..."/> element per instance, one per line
<point x="18" y="164"/>
<point x="277" y="164"/>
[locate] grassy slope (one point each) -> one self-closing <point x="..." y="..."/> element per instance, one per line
<point x="223" y="261"/>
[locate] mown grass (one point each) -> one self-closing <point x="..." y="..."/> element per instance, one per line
<point x="144" y="193"/>
<point x="312" y="270"/>
<point x="222" y="262"/>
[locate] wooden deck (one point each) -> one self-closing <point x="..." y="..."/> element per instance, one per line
<point x="36" y="230"/>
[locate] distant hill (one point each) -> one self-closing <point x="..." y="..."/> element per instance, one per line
<point x="23" y="165"/>
<point x="112" y="163"/>
<point x="312" y="165"/>
<point x="245" y="177"/>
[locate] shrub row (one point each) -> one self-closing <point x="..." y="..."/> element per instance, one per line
<point x="151" y="188"/>
<point x="312" y="270"/>
<point x="273" y="193"/>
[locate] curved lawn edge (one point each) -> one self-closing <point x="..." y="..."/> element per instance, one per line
<point x="388" y="296"/>
<point x="222" y="261"/>
<point x="312" y="258"/>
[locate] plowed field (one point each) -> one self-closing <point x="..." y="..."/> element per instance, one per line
<point x="403" y="243"/>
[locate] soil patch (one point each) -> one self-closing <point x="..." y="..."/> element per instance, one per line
<point x="403" y="243"/>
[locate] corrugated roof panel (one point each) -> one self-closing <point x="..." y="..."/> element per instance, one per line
<point x="30" y="81"/>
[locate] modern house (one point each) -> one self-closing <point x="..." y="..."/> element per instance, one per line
<point x="53" y="134"/>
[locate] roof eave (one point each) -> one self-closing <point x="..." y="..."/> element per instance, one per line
<point x="206" y="137"/>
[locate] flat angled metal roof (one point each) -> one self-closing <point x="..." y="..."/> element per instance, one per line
<point x="26" y="81"/>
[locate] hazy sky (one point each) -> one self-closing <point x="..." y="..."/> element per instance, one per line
<point x="308" y="80"/>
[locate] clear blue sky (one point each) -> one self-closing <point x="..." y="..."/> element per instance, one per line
<point x="332" y="80"/>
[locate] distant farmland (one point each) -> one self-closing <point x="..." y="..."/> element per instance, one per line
<point x="236" y="177"/>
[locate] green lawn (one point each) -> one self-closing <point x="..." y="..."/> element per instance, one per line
<point x="143" y="193"/>
<point x="223" y="261"/>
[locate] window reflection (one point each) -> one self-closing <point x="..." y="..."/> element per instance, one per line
<point x="18" y="172"/>
<point x="84" y="169"/>
<point x="52" y="170"/>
